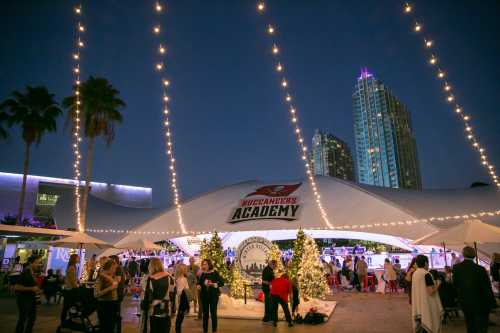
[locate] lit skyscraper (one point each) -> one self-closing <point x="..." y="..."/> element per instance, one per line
<point x="386" y="152"/>
<point x="331" y="156"/>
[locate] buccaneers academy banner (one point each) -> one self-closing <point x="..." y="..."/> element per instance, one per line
<point x="268" y="202"/>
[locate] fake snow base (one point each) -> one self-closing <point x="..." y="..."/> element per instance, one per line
<point x="231" y="308"/>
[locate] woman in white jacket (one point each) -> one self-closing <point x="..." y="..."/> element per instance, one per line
<point x="182" y="290"/>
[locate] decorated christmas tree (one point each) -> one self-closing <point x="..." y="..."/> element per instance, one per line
<point x="214" y="251"/>
<point x="203" y="250"/>
<point x="298" y="247"/>
<point x="310" y="275"/>
<point x="275" y="254"/>
<point x="237" y="287"/>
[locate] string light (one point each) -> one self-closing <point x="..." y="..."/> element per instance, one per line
<point x="458" y="110"/>
<point x="383" y="224"/>
<point x="76" y="117"/>
<point x="295" y="121"/>
<point x="167" y="127"/>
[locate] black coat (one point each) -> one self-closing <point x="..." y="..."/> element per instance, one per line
<point x="473" y="287"/>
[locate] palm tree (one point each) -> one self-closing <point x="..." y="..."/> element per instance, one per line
<point x="99" y="109"/>
<point x="36" y="113"/>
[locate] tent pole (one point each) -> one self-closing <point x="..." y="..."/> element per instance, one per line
<point x="445" y="259"/>
<point x="475" y="248"/>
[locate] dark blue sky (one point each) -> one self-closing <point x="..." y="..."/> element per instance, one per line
<point x="229" y="121"/>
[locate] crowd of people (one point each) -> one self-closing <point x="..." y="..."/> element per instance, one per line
<point x="171" y="292"/>
<point x="165" y="293"/>
<point x="465" y="285"/>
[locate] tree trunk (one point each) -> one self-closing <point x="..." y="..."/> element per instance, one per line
<point x="88" y="176"/>
<point x="23" y="187"/>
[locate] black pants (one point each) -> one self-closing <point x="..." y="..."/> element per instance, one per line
<point x="268" y="314"/>
<point x="209" y="307"/>
<point x="159" y="324"/>
<point x="275" y="300"/>
<point x="118" y="307"/>
<point x="476" y="322"/>
<point x="200" y="306"/>
<point x="27" y="315"/>
<point x="178" y="321"/>
<point x="107" y="312"/>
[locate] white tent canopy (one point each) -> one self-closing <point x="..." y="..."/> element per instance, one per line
<point x="390" y="214"/>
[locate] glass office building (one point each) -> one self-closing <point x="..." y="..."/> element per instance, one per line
<point x="386" y="152"/>
<point x="331" y="156"/>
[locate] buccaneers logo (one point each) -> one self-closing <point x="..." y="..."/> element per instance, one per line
<point x="275" y="190"/>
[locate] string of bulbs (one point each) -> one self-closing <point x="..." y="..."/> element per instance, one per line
<point x="452" y="100"/>
<point x="160" y="68"/>
<point x="387" y="224"/>
<point x="76" y="115"/>
<point x="294" y="118"/>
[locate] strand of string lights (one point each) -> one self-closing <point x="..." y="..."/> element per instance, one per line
<point x="450" y="97"/>
<point x="160" y="68"/>
<point x="76" y="113"/>
<point x="294" y="118"/>
<point x="464" y="216"/>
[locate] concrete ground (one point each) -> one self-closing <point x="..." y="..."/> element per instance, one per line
<point x="355" y="313"/>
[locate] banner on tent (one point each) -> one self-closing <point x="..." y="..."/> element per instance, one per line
<point x="273" y="202"/>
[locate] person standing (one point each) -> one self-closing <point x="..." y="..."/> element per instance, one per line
<point x="121" y="277"/>
<point x="182" y="288"/>
<point x="474" y="292"/>
<point x="209" y="285"/>
<point x="412" y="267"/>
<point x="161" y="283"/>
<point x="133" y="268"/>
<point x="70" y="286"/>
<point x="280" y="289"/>
<point x="495" y="269"/>
<point x="27" y="291"/>
<point x="426" y="308"/>
<point x="454" y="259"/>
<point x="105" y="291"/>
<point x="193" y="272"/>
<point x="267" y="278"/>
<point x="390" y="275"/>
<point x="15" y="270"/>
<point x="362" y="270"/>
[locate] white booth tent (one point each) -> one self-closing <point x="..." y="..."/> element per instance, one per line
<point x="391" y="216"/>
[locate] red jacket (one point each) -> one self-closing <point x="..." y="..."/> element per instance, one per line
<point x="281" y="287"/>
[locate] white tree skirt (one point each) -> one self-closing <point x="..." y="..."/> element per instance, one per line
<point x="231" y="308"/>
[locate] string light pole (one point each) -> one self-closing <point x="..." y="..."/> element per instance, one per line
<point x="451" y="99"/>
<point x="79" y="44"/>
<point x="160" y="68"/>
<point x="293" y="114"/>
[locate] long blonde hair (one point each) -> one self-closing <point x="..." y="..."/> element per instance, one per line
<point x="180" y="271"/>
<point x="155" y="266"/>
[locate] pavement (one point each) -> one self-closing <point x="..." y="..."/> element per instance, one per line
<point x="355" y="313"/>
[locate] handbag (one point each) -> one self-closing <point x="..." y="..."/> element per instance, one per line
<point x="147" y="296"/>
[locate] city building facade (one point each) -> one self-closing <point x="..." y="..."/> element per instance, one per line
<point x="330" y="156"/>
<point x="386" y="152"/>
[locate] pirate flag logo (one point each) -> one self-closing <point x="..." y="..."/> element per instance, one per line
<point x="275" y="190"/>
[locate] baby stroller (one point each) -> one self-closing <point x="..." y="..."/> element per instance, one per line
<point x="83" y="306"/>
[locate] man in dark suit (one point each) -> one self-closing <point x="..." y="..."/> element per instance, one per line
<point x="267" y="278"/>
<point x="474" y="292"/>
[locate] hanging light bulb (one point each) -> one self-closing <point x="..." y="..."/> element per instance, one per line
<point x="161" y="49"/>
<point x="418" y="27"/>
<point x="158" y="7"/>
<point x="284" y="84"/>
<point x="279" y="68"/>
<point x="156" y="29"/>
<point x="275" y="49"/>
<point x="270" y="29"/>
<point x="428" y="43"/>
<point x="261" y="6"/>
<point x="407" y="8"/>
<point x="433" y="60"/>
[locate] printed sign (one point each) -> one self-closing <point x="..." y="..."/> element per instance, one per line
<point x="268" y="202"/>
<point x="251" y="257"/>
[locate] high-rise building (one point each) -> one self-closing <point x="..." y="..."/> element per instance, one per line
<point x="386" y="152"/>
<point x="331" y="156"/>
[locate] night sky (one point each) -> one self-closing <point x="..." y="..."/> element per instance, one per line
<point x="229" y="120"/>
